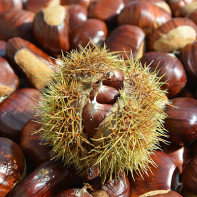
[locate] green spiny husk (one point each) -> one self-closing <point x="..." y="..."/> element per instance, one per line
<point x="130" y="132"/>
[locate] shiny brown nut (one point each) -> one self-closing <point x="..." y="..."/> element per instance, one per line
<point x="194" y="148"/>
<point x="193" y="16"/>
<point x="50" y="29"/>
<point x="187" y="9"/>
<point x="159" y="178"/>
<point x="186" y="93"/>
<point x="159" y="3"/>
<point x="77" y="15"/>
<point x="47" y="180"/>
<point x="176" y="6"/>
<point x="12" y="165"/>
<point x="75" y="192"/>
<point x="7" y="5"/>
<point x="104" y="94"/>
<point x="106" y="10"/>
<point x="182" y="120"/>
<point x="127" y="38"/>
<point x="93" y="114"/>
<point x="93" y="29"/>
<point x="37" y="5"/>
<point x="169" y="68"/>
<point x="16" y="111"/>
<point x="168" y="194"/>
<point x="118" y="187"/>
<point x="30" y="142"/>
<point x="189" y="60"/>
<point x="34" y="63"/>
<point x="180" y="155"/>
<point x="16" y="22"/>
<point x="9" y="81"/>
<point x="190" y="175"/>
<point x="2" y="48"/>
<point x="144" y="15"/>
<point x="85" y="3"/>
<point x="173" y="35"/>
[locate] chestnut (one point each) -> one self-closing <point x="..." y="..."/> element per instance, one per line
<point x="176" y="6"/>
<point x="181" y="121"/>
<point x="187" y="9"/>
<point x="189" y="60"/>
<point x="93" y="114"/>
<point x="35" y="152"/>
<point x="160" y="177"/>
<point x="93" y="29"/>
<point x="106" y="10"/>
<point x="190" y="174"/>
<point x="127" y="38"/>
<point x="84" y="3"/>
<point x="50" y="29"/>
<point x="118" y="187"/>
<point x="143" y="14"/>
<point x="193" y="16"/>
<point x="194" y="148"/>
<point x="160" y="3"/>
<point x="169" y="68"/>
<point x="36" y="65"/>
<point x="16" y="111"/>
<point x="9" y="81"/>
<point x="46" y="180"/>
<point x="180" y="155"/>
<point x="77" y="15"/>
<point x="173" y="35"/>
<point x="12" y="165"/>
<point x="16" y="22"/>
<point x="168" y="194"/>
<point x="75" y="192"/>
<point x="2" y="48"/>
<point x="6" y="5"/>
<point x="36" y="5"/>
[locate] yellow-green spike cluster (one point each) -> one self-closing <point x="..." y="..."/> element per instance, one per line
<point x="130" y="132"/>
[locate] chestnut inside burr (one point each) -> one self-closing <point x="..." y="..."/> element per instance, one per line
<point x="101" y="100"/>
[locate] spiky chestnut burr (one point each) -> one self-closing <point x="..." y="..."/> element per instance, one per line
<point x="124" y="134"/>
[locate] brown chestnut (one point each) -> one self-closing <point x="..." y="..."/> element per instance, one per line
<point x="126" y="39"/>
<point x="47" y="180"/>
<point x="106" y="10"/>
<point x="180" y="155"/>
<point x="169" y="68"/>
<point x="143" y="14"/>
<point x="77" y="15"/>
<point x="190" y="175"/>
<point x="93" y="29"/>
<point x="84" y="3"/>
<point x="75" y="192"/>
<point x="36" y="65"/>
<point x="50" y="29"/>
<point x="12" y="165"/>
<point x="181" y="121"/>
<point x="7" y="5"/>
<point x="30" y="142"/>
<point x="2" y="48"/>
<point x="176" y="6"/>
<point x="193" y="16"/>
<point x="16" y="22"/>
<point x="159" y="178"/>
<point x="36" y="5"/>
<point x="17" y="110"/>
<point x="173" y="35"/>
<point x="8" y="79"/>
<point x="187" y="9"/>
<point x="188" y="57"/>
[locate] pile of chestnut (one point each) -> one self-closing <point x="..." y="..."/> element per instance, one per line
<point x="33" y="36"/>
